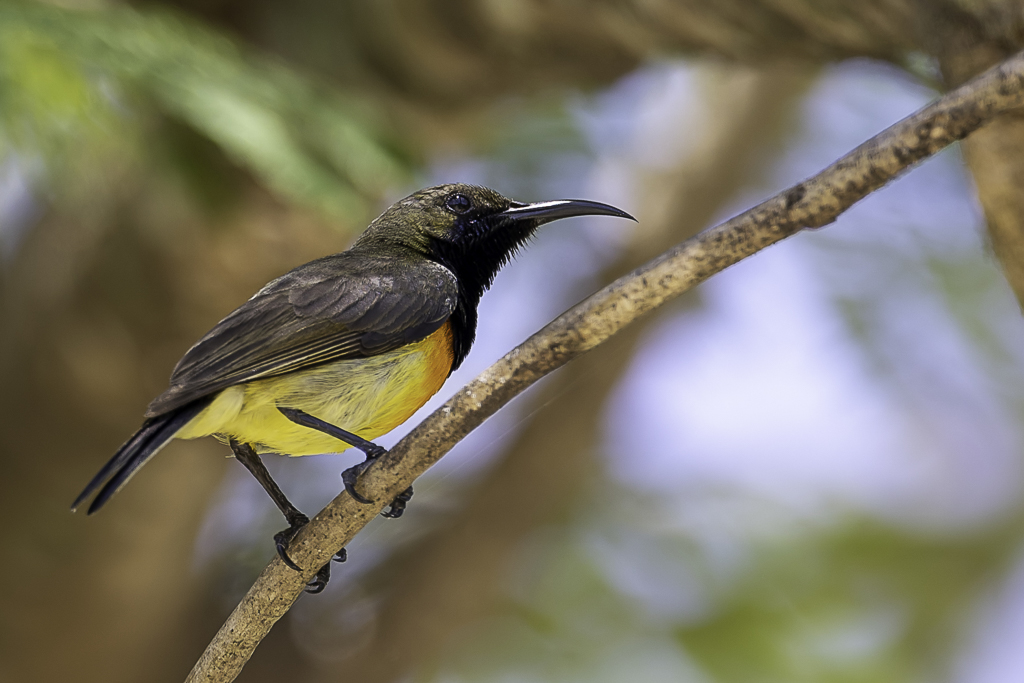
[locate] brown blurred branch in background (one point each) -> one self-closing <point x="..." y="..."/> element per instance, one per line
<point x="119" y="275"/>
<point x="813" y="203"/>
<point x="454" y="576"/>
<point x="995" y="156"/>
<point x="75" y="349"/>
<point x="443" y="73"/>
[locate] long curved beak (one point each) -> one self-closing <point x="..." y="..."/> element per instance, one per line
<point x="545" y="212"/>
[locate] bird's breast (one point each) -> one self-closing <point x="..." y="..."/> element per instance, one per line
<point x="366" y="396"/>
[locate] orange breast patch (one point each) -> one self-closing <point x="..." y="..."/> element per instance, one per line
<point x="440" y="355"/>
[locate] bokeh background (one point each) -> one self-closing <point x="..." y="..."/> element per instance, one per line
<point x="809" y="469"/>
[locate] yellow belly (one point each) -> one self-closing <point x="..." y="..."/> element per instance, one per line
<point x="366" y="396"/>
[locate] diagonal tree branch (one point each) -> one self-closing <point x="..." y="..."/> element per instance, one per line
<point x="453" y="576"/>
<point x="813" y="203"/>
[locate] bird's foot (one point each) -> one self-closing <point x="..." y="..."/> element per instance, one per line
<point x="351" y="476"/>
<point x="398" y="504"/>
<point x="319" y="582"/>
<point x="283" y="538"/>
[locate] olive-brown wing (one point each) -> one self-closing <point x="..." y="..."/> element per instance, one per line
<point x="348" y="305"/>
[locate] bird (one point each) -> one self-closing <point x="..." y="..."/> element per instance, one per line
<point x="341" y="350"/>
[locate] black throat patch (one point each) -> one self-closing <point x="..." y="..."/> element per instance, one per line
<point x="475" y="263"/>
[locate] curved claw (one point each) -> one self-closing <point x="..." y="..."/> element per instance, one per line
<point x="340" y="556"/>
<point x="319" y="581"/>
<point x="398" y="505"/>
<point x="283" y="538"/>
<point x="282" y="552"/>
<point x="349" y="478"/>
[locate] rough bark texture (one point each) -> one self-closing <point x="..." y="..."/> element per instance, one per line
<point x="813" y="203"/>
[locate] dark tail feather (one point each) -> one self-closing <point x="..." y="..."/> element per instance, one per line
<point x="136" y="452"/>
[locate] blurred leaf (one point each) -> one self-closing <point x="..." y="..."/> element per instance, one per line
<point x="44" y="95"/>
<point x="310" y="143"/>
<point x="862" y="603"/>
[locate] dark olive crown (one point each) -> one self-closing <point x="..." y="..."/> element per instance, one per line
<point x="461" y="227"/>
<point x="455" y="213"/>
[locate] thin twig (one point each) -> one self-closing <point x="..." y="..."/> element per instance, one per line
<point x="813" y="203"/>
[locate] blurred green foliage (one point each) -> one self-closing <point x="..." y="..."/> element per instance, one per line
<point x="66" y="74"/>
<point x="854" y="601"/>
<point x="858" y="603"/>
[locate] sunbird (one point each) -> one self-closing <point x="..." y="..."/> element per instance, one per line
<point x="343" y="349"/>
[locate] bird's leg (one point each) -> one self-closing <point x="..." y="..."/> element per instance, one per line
<point x="296" y="520"/>
<point x="350" y="476"/>
<point x="245" y="454"/>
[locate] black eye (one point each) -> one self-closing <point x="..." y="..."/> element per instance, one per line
<point x="458" y="203"/>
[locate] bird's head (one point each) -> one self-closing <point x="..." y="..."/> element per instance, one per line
<point x="472" y="230"/>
